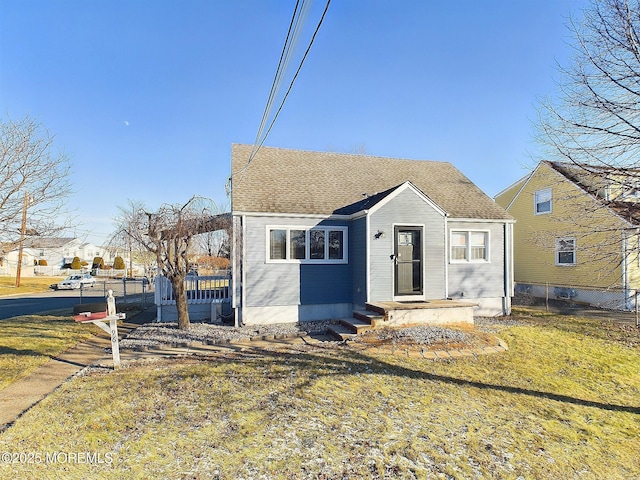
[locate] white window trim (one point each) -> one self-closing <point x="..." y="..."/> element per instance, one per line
<point x="535" y="200"/>
<point x="307" y="229"/>
<point x="487" y="233"/>
<point x="575" y="252"/>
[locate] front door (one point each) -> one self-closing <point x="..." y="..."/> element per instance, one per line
<point x="408" y="261"/>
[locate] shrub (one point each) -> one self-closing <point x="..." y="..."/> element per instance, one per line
<point x="76" y="264"/>
<point x="98" y="262"/>
<point x="221" y="263"/>
<point x="118" y="263"/>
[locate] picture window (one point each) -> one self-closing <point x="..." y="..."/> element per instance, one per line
<point x="315" y="245"/>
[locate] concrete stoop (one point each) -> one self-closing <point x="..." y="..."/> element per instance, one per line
<point x="377" y="316"/>
<point x="402" y="314"/>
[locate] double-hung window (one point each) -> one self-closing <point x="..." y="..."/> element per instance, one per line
<point x="313" y="245"/>
<point x="566" y="251"/>
<point x="469" y="246"/>
<point x="542" y="201"/>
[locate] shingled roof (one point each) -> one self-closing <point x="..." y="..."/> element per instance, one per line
<point x="304" y="182"/>
<point x="594" y="178"/>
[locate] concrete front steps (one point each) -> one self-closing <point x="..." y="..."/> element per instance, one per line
<point x="399" y="314"/>
<point x="362" y="321"/>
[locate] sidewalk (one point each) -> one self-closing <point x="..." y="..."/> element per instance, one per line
<point x="20" y="396"/>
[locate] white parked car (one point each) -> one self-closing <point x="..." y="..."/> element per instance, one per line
<point x="73" y="282"/>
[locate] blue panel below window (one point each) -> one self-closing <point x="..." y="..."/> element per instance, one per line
<point x="322" y="284"/>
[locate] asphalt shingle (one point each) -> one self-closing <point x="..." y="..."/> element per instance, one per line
<point x="280" y="180"/>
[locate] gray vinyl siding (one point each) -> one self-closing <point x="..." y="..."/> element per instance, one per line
<point x="407" y="208"/>
<point x="358" y="260"/>
<point x="479" y="280"/>
<point x="278" y="284"/>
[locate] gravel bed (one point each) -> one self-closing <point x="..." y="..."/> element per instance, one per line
<point x="423" y="335"/>
<point x="154" y="334"/>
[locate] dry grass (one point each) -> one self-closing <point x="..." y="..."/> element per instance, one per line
<point x="29" y="341"/>
<point x="563" y="402"/>
<point x="27" y="285"/>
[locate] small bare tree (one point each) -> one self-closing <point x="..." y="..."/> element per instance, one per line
<point x="595" y="119"/>
<point x="34" y="183"/>
<point x="123" y="240"/>
<point x="168" y="233"/>
<point x="29" y="165"/>
<point x="591" y="128"/>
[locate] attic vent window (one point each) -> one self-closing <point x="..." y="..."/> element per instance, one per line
<point x="631" y="190"/>
<point x="542" y="201"/>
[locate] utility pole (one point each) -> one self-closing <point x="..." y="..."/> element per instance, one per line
<point x="23" y="229"/>
<point x="130" y="256"/>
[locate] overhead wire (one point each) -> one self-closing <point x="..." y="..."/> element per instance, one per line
<point x="299" y="14"/>
<point x="296" y="74"/>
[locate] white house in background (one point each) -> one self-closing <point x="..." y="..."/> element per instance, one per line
<point x="57" y="252"/>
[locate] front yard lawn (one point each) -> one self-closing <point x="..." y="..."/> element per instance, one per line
<point x="29" y="341"/>
<point x="27" y="285"/>
<point x="563" y="402"/>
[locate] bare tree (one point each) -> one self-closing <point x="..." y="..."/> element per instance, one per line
<point x="590" y="131"/>
<point x="34" y="183"/>
<point x="211" y="247"/>
<point x="29" y="167"/>
<point x="168" y="233"/>
<point x="123" y="240"/>
<point x="214" y="243"/>
<point x="595" y="119"/>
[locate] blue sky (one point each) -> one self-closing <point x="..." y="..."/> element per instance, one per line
<point x="147" y="96"/>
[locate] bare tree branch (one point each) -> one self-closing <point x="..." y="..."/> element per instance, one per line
<point x="168" y="233"/>
<point x="596" y="117"/>
<point x="28" y="164"/>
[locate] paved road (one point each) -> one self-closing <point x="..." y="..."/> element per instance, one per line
<point x="44" y="302"/>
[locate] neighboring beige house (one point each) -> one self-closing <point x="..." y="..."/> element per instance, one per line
<point x="576" y="233"/>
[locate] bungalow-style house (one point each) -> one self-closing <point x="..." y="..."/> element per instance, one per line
<point x="318" y="235"/>
<point x="576" y="233"/>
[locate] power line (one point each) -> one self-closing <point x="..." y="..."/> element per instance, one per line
<point x="296" y="74"/>
<point x="291" y="40"/>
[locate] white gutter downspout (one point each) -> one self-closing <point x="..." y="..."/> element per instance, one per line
<point x="446" y="256"/>
<point x="368" y="259"/>
<point x="243" y="282"/>
<point x="508" y="267"/>
<point x="625" y="270"/>
<point x="237" y="272"/>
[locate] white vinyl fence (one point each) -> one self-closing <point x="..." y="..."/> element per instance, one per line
<point x="208" y="297"/>
<point x="47" y="271"/>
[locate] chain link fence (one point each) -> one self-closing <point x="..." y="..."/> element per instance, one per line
<point x="133" y="292"/>
<point x="605" y="298"/>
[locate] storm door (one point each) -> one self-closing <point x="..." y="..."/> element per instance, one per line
<point x="408" y="261"/>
